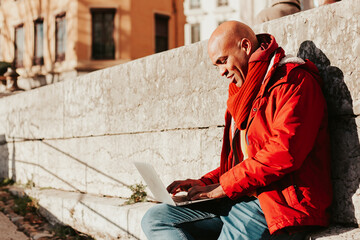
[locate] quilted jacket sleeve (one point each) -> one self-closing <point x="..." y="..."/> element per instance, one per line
<point x="211" y="177"/>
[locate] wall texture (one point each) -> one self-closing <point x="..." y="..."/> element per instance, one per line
<point x="167" y="109"/>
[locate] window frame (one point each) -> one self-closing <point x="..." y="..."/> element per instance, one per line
<point x="158" y="16"/>
<point x="59" y="57"/>
<point x="102" y="10"/>
<point x="16" y="61"/>
<point x="38" y="60"/>
<point x="192" y="27"/>
<point x="222" y="3"/>
<point x="192" y="5"/>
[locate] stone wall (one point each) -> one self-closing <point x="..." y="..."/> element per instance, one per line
<point x="83" y="134"/>
<point x="167" y="109"/>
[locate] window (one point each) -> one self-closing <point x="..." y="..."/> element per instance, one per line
<point x="60" y="41"/>
<point x="103" y="44"/>
<point x="1" y="57"/>
<point x="161" y="33"/>
<point x="19" y="45"/>
<point x="195" y="32"/>
<point x="221" y="3"/>
<point x="194" y="4"/>
<point x="38" y="42"/>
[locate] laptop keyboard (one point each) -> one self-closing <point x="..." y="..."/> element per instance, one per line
<point x="179" y="198"/>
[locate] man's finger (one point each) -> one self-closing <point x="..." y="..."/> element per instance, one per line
<point x="177" y="186"/>
<point x="195" y="191"/>
<point x="173" y="187"/>
<point x="195" y="197"/>
<point x="200" y="196"/>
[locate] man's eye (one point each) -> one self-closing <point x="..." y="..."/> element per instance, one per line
<point x="221" y="61"/>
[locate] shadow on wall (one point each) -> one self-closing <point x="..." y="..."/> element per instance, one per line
<point x="54" y="220"/>
<point x="4" y="158"/>
<point x="345" y="148"/>
<point x="80" y="200"/>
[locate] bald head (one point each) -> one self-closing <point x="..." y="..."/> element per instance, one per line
<point x="232" y="32"/>
<point x="230" y="48"/>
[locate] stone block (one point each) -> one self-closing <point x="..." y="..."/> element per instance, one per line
<point x="4" y="159"/>
<point x="110" y="169"/>
<point x="104" y="165"/>
<point x="34" y="114"/>
<point x="59" y="166"/>
<point x="23" y="161"/>
<point x="101" y="217"/>
<point x="147" y="94"/>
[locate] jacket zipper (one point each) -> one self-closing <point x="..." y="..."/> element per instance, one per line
<point x="234" y="147"/>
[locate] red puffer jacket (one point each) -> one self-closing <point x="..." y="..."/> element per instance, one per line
<point x="288" y="162"/>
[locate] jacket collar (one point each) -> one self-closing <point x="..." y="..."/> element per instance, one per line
<point x="266" y="49"/>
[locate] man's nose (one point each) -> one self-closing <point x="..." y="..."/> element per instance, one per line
<point x="223" y="71"/>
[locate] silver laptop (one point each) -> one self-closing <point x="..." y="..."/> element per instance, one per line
<point x="158" y="189"/>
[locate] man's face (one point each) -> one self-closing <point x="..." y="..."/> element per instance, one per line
<point x="230" y="58"/>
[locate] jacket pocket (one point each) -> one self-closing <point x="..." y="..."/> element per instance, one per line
<point x="292" y="193"/>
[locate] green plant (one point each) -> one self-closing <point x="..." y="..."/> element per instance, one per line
<point x="24" y="205"/>
<point x="67" y="232"/>
<point x="30" y="184"/>
<point x="138" y="195"/>
<point x="6" y="181"/>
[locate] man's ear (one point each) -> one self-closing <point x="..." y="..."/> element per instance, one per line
<point x="245" y="44"/>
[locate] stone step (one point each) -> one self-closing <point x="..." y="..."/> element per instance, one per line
<point x="100" y="217"/>
<point x="111" y="218"/>
<point x="336" y="233"/>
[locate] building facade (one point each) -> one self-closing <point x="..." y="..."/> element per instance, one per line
<point x="203" y="16"/>
<point x="50" y="40"/>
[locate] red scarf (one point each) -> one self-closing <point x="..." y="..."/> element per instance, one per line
<point x="240" y="99"/>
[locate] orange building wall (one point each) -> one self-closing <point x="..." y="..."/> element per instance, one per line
<point x="134" y="32"/>
<point x="134" y="28"/>
<point x="25" y="12"/>
<point x="144" y="24"/>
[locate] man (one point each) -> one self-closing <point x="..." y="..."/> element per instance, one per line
<point x="274" y="174"/>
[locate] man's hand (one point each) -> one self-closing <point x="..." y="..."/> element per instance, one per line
<point x="183" y="185"/>
<point x="209" y="191"/>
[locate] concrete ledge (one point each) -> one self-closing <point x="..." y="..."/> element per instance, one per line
<point x="100" y="217"/>
<point x="110" y="218"/>
<point x="336" y="233"/>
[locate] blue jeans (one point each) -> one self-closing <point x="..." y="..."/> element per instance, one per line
<point x="219" y="219"/>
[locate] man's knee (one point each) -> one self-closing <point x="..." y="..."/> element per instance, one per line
<point x="155" y="216"/>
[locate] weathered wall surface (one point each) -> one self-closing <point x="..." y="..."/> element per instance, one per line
<point x="167" y="109"/>
<point x="84" y="134"/>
